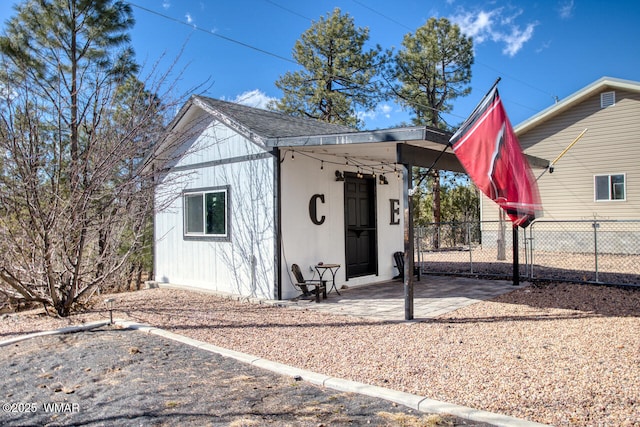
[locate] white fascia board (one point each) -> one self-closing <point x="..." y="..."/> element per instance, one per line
<point x="385" y="135"/>
<point x="575" y="98"/>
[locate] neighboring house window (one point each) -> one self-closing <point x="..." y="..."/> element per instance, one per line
<point x="610" y="187"/>
<point x="206" y="213"/>
<point x="607" y="99"/>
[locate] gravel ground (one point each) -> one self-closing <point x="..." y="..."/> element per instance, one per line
<point x="114" y="377"/>
<point x="560" y="354"/>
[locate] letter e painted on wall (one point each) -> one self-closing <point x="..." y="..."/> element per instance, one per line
<point x="394" y="211"/>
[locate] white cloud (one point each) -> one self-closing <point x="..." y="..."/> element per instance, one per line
<point x="166" y="4"/>
<point x="566" y="9"/>
<point x="478" y="26"/>
<point x="254" y="98"/>
<point x="517" y="39"/>
<point x="386" y="110"/>
<point x="188" y="17"/>
<point x="543" y="47"/>
<point x="382" y="110"/>
<point x="366" y="115"/>
<point x="496" y="26"/>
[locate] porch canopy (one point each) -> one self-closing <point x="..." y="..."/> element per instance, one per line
<point x="420" y="146"/>
<point x="415" y="146"/>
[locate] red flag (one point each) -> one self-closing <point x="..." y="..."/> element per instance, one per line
<point x="489" y="150"/>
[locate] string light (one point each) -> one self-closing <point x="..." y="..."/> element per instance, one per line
<point x="364" y="168"/>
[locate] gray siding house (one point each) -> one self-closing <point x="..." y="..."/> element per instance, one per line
<point x="598" y="177"/>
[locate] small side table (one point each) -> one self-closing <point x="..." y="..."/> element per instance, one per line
<point x="333" y="268"/>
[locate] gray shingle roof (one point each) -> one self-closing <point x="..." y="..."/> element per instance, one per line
<point x="272" y="124"/>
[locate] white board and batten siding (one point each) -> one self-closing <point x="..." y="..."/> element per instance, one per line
<point x="219" y="158"/>
<point x="305" y="243"/>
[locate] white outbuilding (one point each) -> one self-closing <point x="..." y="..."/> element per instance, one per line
<point x="245" y="193"/>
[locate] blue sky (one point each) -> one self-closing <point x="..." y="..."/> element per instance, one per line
<point x="236" y="50"/>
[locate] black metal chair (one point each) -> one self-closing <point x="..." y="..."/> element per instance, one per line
<point x="303" y="284"/>
<point x="399" y="259"/>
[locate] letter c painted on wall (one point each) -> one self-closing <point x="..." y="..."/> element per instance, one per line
<point x="313" y="209"/>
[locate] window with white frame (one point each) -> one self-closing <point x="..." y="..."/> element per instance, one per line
<point x="610" y="187"/>
<point x="206" y="213"/>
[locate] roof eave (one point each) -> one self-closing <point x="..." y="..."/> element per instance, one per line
<point x="419" y="133"/>
<point x="167" y="136"/>
<point x="231" y="122"/>
<point x="575" y="98"/>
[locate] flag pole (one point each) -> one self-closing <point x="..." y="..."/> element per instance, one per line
<point x="550" y="167"/>
<point x="485" y="97"/>
<point x="479" y="104"/>
<point x="449" y="143"/>
<point x="569" y="146"/>
<point x="494" y="85"/>
<point x="426" y="174"/>
<point x="516" y="255"/>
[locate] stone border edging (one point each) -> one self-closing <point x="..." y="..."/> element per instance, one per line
<point x="66" y="330"/>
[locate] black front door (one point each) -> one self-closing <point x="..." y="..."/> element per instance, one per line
<point x="360" y="226"/>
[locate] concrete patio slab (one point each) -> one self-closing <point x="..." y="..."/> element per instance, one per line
<point x="433" y="296"/>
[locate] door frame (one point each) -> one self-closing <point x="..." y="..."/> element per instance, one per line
<point x="373" y="206"/>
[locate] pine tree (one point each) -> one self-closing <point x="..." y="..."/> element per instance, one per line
<point x="338" y="78"/>
<point x="432" y="69"/>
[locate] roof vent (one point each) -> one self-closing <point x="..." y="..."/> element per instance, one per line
<point x="607" y="99"/>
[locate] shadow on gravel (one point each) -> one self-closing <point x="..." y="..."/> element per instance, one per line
<point x="215" y="319"/>
<point x="594" y="300"/>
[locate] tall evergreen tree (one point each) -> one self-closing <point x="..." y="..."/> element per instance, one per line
<point x="338" y="78"/>
<point x="68" y="48"/>
<point x="432" y="69"/>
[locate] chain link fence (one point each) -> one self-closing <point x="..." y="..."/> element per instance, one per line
<point x="591" y="251"/>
